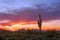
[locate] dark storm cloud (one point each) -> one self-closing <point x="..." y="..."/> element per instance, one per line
<point x="49" y="10"/>
<point x="49" y="13"/>
<point x="27" y="14"/>
<point x="31" y="14"/>
<point x="53" y="14"/>
<point x="6" y="16"/>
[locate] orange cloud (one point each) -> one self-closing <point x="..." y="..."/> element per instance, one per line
<point x="54" y="24"/>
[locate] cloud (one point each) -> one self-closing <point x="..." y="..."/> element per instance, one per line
<point x="31" y="14"/>
<point x="16" y="4"/>
<point x="4" y="21"/>
<point x="49" y="10"/>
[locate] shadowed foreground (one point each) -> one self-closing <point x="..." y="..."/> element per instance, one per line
<point x="29" y="35"/>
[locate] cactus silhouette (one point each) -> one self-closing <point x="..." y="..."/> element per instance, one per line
<point x="40" y="22"/>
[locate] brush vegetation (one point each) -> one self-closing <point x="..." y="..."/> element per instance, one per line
<point x="29" y="35"/>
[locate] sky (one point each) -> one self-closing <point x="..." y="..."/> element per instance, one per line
<point x="28" y="11"/>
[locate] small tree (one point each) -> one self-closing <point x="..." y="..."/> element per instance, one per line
<point x="40" y="22"/>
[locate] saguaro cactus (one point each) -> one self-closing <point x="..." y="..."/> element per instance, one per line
<point x="40" y="22"/>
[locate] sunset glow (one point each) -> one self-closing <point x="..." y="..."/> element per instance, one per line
<point x="23" y="14"/>
<point x="31" y="25"/>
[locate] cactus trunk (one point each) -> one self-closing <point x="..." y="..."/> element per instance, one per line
<point x="40" y="22"/>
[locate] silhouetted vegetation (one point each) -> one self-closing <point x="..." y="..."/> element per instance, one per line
<point x="29" y="35"/>
<point x="40" y="22"/>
